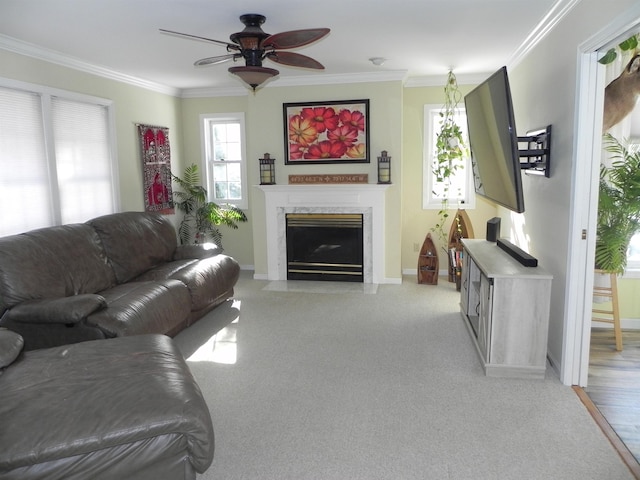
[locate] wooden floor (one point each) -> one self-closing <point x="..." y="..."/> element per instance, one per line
<point x="614" y="384"/>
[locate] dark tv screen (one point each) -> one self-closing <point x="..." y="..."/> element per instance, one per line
<point x="493" y="141"/>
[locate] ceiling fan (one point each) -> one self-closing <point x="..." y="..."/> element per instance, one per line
<point x="254" y="45"/>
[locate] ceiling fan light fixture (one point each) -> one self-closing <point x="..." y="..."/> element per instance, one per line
<point x="254" y="76"/>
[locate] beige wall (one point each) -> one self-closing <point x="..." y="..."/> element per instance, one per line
<point x="628" y="298"/>
<point x="237" y="243"/>
<point x="416" y="222"/>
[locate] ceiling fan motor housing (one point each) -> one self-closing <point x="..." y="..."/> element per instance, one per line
<point x="250" y="39"/>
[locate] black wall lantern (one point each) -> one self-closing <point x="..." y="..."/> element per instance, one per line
<point x="267" y="170"/>
<point x="384" y="168"/>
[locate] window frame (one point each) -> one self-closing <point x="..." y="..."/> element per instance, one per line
<point x="429" y="200"/>
<point x="46" y="97"/>
<point x="207" y="120"/>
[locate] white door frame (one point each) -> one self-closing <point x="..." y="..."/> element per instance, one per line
<point x="584" y="200"/>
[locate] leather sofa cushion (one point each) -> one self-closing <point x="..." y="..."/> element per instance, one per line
<point x="136" y="308"/>
<point x="10" y="347"/>
<point x="206" y="279"/>
<point x="81" y="411"/>
<point x="52" y="262"/>
<point x="135" y="241"/>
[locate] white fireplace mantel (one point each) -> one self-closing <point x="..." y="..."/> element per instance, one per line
<point x="367" y="199"/>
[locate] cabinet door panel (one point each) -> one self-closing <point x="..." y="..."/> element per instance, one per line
<point x="520" y="321"/>
<point x="464" y="285"/>
<point x="484" y="322"/>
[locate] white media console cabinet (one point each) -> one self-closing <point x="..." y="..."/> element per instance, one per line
<point x="505" y="306"/>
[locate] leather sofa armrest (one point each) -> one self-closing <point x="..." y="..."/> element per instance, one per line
<point x="57" y="310"/>
<point x="201" y="250"/>
<point x="11" y="345"/>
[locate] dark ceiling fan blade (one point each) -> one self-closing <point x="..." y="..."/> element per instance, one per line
<point x="294" y="60"/>
<point x="231" y="46"/>
<point x="203" y="62"/>
<point x="294" y="38"/>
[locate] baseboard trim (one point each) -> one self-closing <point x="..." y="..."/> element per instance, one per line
<point x="625" y="324"/>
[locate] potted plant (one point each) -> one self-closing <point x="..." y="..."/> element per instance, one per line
<point x="202" y="218"/>
<point x="618" y="207"/>
<point x="450" y="150"/>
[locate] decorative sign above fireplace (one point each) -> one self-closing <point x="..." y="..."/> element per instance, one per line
<point x="329" y="178"/>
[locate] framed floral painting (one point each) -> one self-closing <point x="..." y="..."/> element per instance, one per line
<point x="326" y="132"/>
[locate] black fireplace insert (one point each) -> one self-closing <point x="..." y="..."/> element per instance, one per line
<point x="325" y="247"/>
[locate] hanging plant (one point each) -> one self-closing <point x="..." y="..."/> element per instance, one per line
<point x="450" y="150"/>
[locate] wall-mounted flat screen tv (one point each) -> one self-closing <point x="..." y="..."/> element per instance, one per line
<point x="493" y="141"/>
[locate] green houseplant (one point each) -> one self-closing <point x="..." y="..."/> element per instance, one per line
<point x="450" y="150"/>
<point x="618" y="207"/>
<point x="201" y="218"/>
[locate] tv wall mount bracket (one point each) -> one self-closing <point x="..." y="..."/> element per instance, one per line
<point x="537" y="154"/>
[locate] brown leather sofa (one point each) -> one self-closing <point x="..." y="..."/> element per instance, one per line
<point x="113" y="276"/>
<point x="122" y="408"/>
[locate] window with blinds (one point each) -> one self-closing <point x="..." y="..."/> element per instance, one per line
<point x="56" y="158"/>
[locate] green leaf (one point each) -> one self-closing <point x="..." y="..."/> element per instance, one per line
<point x="609" y="57"/>
<point x="629" y="44"/>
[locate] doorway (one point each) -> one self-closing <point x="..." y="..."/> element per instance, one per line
<point x="592" y="81"/>
<point x="588" y="145"/>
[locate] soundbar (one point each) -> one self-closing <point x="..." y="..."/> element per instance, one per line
<point x="516" y="252"/>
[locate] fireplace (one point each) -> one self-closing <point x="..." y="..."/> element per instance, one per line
<point x="367" y="200"/>
<point x="324" y="246"/>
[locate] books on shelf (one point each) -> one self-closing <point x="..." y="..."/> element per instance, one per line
<point x="455" y="256"/>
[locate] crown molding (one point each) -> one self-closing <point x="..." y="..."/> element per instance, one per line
<point x="206" y="92"/>
<point x="440" y="80"/>
<point x="334" y="79"/>
<point x="559" y="10"/>
<point x="34" y="51"/>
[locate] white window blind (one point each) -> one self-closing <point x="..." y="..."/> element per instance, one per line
<point x="24" y="176"/>
<point x="83" y="159"/>
<point x="56" y="162"/>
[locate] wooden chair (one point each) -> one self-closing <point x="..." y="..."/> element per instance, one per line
<point x="612" y="315"/>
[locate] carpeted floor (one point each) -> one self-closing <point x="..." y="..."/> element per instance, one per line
<point x="340" y="383"/>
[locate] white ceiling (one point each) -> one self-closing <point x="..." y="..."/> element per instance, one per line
<point x="421" y="39"/>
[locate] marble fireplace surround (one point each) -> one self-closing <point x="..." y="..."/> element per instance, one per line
<point x="365" y="199"/>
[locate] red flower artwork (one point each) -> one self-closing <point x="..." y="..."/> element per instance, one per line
<point x="325" y="149"/>
<point x="322" y="118"/>
<point x="302" y="130"/>
<point x="354" y="119"/>
<point x="327" y="131"/>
